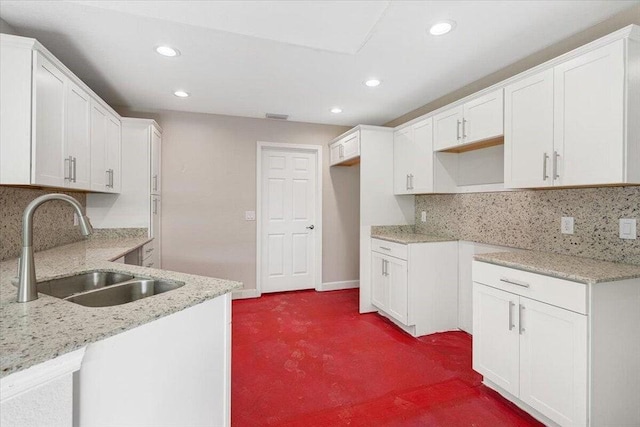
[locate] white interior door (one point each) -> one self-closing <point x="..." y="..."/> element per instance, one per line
<point x="288" y="220"/>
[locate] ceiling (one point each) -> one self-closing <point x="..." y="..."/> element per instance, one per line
<point x="301" y="58"/>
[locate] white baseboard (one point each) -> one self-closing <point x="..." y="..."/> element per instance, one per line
<point x="245" y="293"/>
<point x="334" y="286"/>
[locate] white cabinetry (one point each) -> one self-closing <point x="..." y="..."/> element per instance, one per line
<point x="139" y="203"/>
<point x="413" y="158"/>
<point x="416" y="285"/>
<point x="478" y="119"/>
<point x="546" y="344"/>
<point x="345" y="151"/>
<point x="570" y="125"/>
<point x="47" y="117"/>
<point x="105" y="150"/>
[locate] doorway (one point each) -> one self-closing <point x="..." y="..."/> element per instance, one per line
<point x="289" y="217"/>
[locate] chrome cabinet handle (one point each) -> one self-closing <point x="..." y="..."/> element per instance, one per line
<point x="520" y="310"/>
<point x="73" y="162"/>
<point x="385" y="248"/>
<point x="155" y="206"/>
<point x="464" y="128"/>
<point x="112" y="179"/>
<point x="511" y="305"/>
<point x="148" y="250"/>
<point x="411" y="181"/>
<point x="545" y="158"/>
<point x="386" y="267"/>
<point x="108" y="184"/>
<point x="556" y="175"/>
<point x="458" y="130"/>
<point x="382" y="264"/>
<point x="407" y="182"/>
<point x="514" y="282"/>
<point x="155" y="182"/>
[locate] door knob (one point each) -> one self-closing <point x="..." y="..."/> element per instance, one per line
<point x="311" y="227"/>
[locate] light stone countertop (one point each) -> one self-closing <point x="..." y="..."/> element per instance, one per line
<point x="404" y="234"/>
<point x="584" y="270"/>
<point x="40" y="330"/>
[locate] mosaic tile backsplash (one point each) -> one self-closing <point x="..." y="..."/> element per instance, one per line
<point x="52" y="222"/>
<point x="531" y="220"/>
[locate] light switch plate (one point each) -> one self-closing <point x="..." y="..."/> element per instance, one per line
<point x="628" y="228"/>
<point x="423" y="216"/>
<point x="566" y="225"/>
<point x="250" y="215"/>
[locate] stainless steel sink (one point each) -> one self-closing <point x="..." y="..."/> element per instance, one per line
<point x="123" y="293"/>
<point x="68" y="286"/>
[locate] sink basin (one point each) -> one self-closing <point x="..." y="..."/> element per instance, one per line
<point x="67" y="286"/>
<point x="123" y="293"/>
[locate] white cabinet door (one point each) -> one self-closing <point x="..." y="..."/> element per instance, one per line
<point x="156" y="232"/>
<point x="447" y="128"/>
<point x="397" y="306"/>
<point x="156" y="140"/>
<point x="403" y="147"/>
<point x="49" y="84"/>
<point x="553" y="362"/>
<point x="112" y="154"/>
<point x="483" y="117"/>
<point x="99" y="175"/>
<point x="379" y="282"/>
<point x="528" y="132"/>
<point x="351" y="146"/>
<point x="77" y="136"/>
<point x="422" y="157"/>
<point x="589" y="117"/>
<point x="335" y="151"/>
<point x="496" y="343"/>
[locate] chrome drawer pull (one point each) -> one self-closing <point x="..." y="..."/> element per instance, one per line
<point x="511" y="305"/>
<point x="520" y="310"/>
<point x="386" y="249"/>
<point x="514" y="282"/>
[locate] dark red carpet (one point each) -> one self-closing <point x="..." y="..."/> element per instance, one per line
<point x="309" y="359"/>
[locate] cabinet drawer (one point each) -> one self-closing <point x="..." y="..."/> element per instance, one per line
<point x="393" y="249"/>
<point x="561" y="293"/>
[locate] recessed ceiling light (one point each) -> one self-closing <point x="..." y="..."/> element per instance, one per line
<point x="441" y="28"/>
<point x="336" y="110"/>
<point x="181" y="94"/>
<point x="167" y="51"/>
<point x="372" y="82"/>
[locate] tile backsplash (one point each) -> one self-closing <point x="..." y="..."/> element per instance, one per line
<point x="53" y="221"/>
<point x="531" y="220"/>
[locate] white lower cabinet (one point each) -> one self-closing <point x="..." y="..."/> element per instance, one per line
<point x="415" y="285"/>
<point x="551" y="345"/>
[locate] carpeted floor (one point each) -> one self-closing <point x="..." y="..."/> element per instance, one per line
<point x="309" y="359"/>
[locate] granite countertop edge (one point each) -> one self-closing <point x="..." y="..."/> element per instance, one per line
<point x="410" y="238"/>
<point x="563" y="266"/>
<point x="43" y="329"/>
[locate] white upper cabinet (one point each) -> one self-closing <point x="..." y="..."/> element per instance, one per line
<point x="49" y="165"/>
<point x="113" y="153"/>
<point x="50" y="121"/>
<point x="156" y="161"/>
<point x="476" y="120"/>
<point x="346" y="151"/>
<point x="105" y="150"/>
<point x="413" y="158"/>
<point x="589" y="117"/>
<point x="447" y="128"/>
<point x="528" y="131"/>
<point x="574" y="124"/>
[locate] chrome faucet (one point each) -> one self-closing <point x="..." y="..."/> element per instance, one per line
<point x="27" y="268"/>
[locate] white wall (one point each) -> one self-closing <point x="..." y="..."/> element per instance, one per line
<point x="7" y="29"/>
<point x="209" y="181"/>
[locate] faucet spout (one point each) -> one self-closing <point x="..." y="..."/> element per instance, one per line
<point x="27" y="270"/>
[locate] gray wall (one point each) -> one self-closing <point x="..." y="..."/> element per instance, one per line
<point x="209" y="181"/>
<point x="6" y="28"/>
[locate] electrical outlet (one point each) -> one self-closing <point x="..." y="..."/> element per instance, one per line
<point x="250" y="215"/>
<point x="423" y="216"/>
<point x="628" y="228"/>
<point x="566" y="225"/>
<point x="76" y="220"/>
